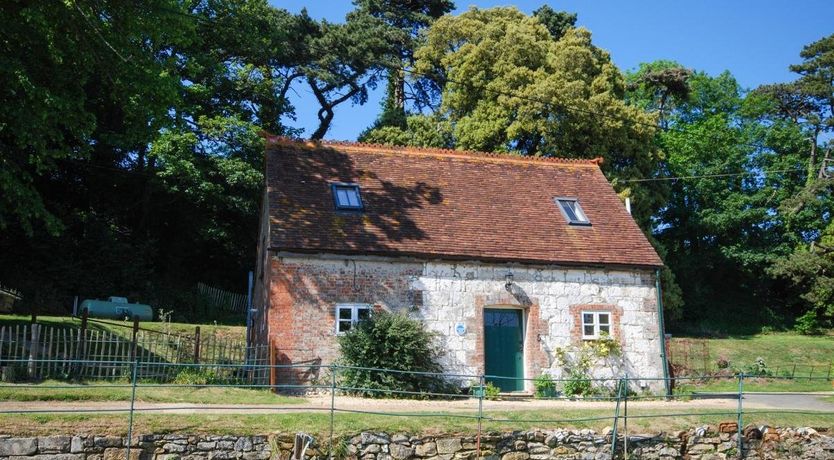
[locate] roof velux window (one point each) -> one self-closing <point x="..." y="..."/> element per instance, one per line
<point x="346" y="197"/>
<point x="572" y="211"/>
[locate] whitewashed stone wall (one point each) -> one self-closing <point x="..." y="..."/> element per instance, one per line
<point x="453" y="292"/>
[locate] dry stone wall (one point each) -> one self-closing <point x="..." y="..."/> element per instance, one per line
<point x="703" y="443"/>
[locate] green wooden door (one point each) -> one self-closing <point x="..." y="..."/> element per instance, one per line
<point x="504" y="348"/>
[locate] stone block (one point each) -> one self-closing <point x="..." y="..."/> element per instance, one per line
<point x="401" y="452"/>
<point x="727" y="427"/>
<point x="668" y="452"/>
<point x="374" y="438"/>
<point x="53" y="444"/>
<point x="258" y="455"/>
<point x="116" y="453"/>
<point x="428" y="449"/>
<point x="372" y="449"/>
<point x="53" y="457"/>
<point x="222" y="455"/>
<point x="108" y="441"/>
<point x="752" y="432"/>
<point x="563" y="450"/>
<point x="206" y="445"/>
<point x="243" y="444"/>
<point x="228" y="445"/>
<point x="174" y="448"/>
<point x="515" y="456"/>
<point x="771" y="436"/>
<point x="399" y="437"/>
<point x="448" y="445"/>
<point x="18" y="446"/>
<point x="700" y="449"/>
<point x="715" y="456"/>
<point x="76" y="445"/>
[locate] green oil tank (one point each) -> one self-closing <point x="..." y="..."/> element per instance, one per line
<point x="117" y="308"/>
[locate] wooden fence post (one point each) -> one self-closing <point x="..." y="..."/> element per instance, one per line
<point x="273" y="375"/>
<point x="33" y="351"/>
<point x="133" y="344"/>
<point x="81" y="345"/>
<point x="197" y="345"/>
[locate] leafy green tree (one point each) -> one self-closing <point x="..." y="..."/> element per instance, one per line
<point x="557" y="22"/>
<point x="508" y="86"/>
<point x="659" y="87"/>
<point x="131" y="150"/>
<point x="721" y="227"/>
<point x="75" y="77"/>
<point x="420" y="131"/>
<point x="807" y="106"/>
<point x="408" y="19"/>
<point x="346" y="60"/>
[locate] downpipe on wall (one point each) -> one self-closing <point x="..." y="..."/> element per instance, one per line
<point x="662" y="329"/>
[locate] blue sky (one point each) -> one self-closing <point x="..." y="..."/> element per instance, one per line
<point x="754" y="40"/>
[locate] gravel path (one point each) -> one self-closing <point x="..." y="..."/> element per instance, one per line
<point x="322" y="403"/>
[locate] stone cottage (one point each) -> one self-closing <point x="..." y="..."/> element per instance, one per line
<point x="507" y="258"/>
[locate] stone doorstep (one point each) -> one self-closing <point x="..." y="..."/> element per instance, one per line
<point x="516" y="395"/>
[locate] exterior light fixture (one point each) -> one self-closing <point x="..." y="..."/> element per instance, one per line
<point x="508" y="278"/>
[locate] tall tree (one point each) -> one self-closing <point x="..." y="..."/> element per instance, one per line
<point x="807" y="104"/>
<point x="659" y="87"/>
<point x="76" y="77"/>
<point x="557" y="22"/>
<point x="408" y="18"/>
<point x="345" y="61"/>
<point x="507" y="85"/>
<point x="721" y="227"/>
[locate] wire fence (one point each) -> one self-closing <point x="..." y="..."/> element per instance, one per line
<point x="620" y="402"/>
<point x="693" y="357"/>
<point x="99" y="349"/>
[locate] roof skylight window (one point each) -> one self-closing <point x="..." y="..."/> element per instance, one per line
<point x="572" y="211"/>
<point x="346" y="197"/>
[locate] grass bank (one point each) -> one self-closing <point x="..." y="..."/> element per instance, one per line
<point x="116" y="391"/>
<point x="123" y="328"/>
<point x="318" y="423"/>
<point x="753" y="385"/>
<point x="780" y="351"/>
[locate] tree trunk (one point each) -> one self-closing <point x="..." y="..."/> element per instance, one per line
<point x="812" y="161"/>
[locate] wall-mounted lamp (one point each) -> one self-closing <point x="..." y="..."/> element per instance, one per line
<point x="508" y="280"/>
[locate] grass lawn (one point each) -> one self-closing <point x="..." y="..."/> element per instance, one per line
<point x="782" y="350"/>
<point x="755" y="384"/>
<point x="318" y="423"/>
<point x="104" y="391"/>
<point x="220" y="331"/>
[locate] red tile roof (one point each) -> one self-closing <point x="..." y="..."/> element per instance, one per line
<point x="447" y="204"/>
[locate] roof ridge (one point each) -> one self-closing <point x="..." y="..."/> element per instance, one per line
<point x="435" y="151"/>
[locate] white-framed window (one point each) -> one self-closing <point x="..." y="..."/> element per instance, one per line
<point x="596" y="324"/>
<point x="346" y="197"/>
<point x="572" y="211"/>
<point x="348" y="314"/>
